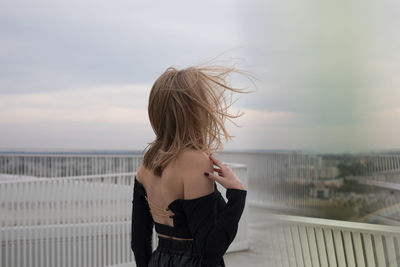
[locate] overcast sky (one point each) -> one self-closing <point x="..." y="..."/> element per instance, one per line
<point x="77" y="74"/>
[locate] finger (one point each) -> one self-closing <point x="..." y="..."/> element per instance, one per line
<point x="214" y="177"/>
<point x="217" y="170"/>
<point x="216" y="161"/>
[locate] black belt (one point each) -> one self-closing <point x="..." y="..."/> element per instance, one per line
<point x="164" y="242"/>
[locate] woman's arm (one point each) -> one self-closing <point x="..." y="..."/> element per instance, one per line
<point x="212" y="221"/>
<point x="142" y="227"/>
<point x="213" y="224"/>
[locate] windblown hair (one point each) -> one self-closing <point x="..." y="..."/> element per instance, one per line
<point x="187" y="110"/>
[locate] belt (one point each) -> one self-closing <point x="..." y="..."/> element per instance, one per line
<point x="164" y="242"/>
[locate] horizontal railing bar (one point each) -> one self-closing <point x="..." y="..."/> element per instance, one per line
<point x="69" y="177"/>
<point x="337" y="224"/>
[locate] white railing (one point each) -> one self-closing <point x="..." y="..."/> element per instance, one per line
<point x="382" y="163"/>
<point x="88" y="244"/>
<point x="302" y="241"/>
<point x="76" y="221"/>
<point x="276" y="177"/>
<point x="83" y="199"/>
<point x="61" y="165"/>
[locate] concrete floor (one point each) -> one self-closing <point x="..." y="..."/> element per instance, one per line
<point x="260" y="251"/>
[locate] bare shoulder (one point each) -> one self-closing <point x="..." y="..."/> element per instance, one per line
<point x="140" y="171"/>
<point x="192" y="164"/>
<point x="193" y="157"/>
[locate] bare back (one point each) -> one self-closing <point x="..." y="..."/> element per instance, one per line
<point x="181" y="179"/>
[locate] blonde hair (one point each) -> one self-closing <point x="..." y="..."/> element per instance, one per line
<point x="187" y="110"/>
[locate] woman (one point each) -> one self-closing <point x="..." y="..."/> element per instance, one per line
<point x="175" y="188"/>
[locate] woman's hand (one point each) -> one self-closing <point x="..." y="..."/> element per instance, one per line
<point x="226" y="177"/>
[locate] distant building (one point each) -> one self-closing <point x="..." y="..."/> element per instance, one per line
<point x="323" y="188"/>
<point x="320" y="192"/>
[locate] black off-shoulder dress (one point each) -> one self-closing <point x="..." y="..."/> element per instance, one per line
<point x="209" y="220"/>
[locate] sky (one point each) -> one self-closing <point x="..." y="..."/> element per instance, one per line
<point x="77" y="74"/>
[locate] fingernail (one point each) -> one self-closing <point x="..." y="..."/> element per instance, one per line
<point x="206" y="174"/>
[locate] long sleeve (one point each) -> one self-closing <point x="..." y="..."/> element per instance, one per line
<point x="221" y="203"/>
<point x="142" y="227"/>
<point x="214" y="224"/>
